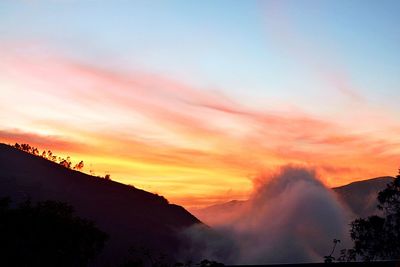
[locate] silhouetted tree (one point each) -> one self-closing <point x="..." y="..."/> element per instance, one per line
<point x="50" y="156"/>
<point x="35" y="151"/>
<point x="25" y="147"/>
<point x="347" y="255"/>
<point x="79" y="166"/>
<point x="378" y="237"/>
<point x="46" y="234"/>
<point x="143" y="257"/>
<point x="65" y="162"/>
<point x="107" y="177"/>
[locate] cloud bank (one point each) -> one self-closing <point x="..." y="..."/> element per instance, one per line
<point x="291" y="217"/>
<point x="196" y="146"/>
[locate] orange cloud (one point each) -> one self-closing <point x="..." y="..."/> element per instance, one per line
<point x="17" y="136"/>
<point x="191" y="144"/>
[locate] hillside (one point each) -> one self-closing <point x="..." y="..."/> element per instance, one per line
<point x="214" y="214"/>
<point x="129" y="215"/>
<point x="359" y="196"/>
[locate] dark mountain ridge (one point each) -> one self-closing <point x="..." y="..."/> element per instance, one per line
<point x="131" y="217"/>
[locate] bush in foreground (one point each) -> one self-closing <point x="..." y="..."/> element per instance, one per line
<point x="46" y="234"/>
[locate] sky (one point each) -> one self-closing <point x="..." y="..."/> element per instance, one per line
<point x="195" y="99"/>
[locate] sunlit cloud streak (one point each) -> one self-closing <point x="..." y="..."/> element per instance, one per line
<point x="15" y="135"/>
<point x="172" y="138"/>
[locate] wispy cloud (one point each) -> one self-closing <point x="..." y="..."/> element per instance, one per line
<point x="167" y="136"/>
<point x="12" y="136"/>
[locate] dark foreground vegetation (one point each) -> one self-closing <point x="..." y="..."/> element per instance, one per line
<point x="129" y="216"/>
<point x="336" y="264"/>
<point x="46" y="234"/>
<point x="49" y="155"/>
<point x="376" y="238"/>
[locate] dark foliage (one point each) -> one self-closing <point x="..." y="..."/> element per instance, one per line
<point x="376" y="237"/>
<point x="46" y="234"/>
<point x="142" y="257"/>
<point x="79" y="166"/>
<point x="65" y="162"/>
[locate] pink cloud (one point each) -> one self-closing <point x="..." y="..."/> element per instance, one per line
<point x="156" y="121"/>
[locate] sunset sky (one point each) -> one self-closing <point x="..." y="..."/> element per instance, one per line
<point x="195" y="99"/>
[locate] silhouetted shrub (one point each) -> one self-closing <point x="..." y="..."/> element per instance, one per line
<point x="79" y="166"/>
<point x="376" y="237"/>
<point x="49" y="156"/>
<point x="330" y="258"/>
<point x="143" y="257"/>
<point x="65" y="162"/>
<point x="46" y="234"/>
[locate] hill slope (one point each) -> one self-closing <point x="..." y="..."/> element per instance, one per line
<point x="129" y="215"/>
<point x="214" y="214"/>
<point x="361" y="196"/>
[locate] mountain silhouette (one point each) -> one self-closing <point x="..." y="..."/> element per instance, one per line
<point x="361" y="196"/>
<point x="130" y="216"/>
